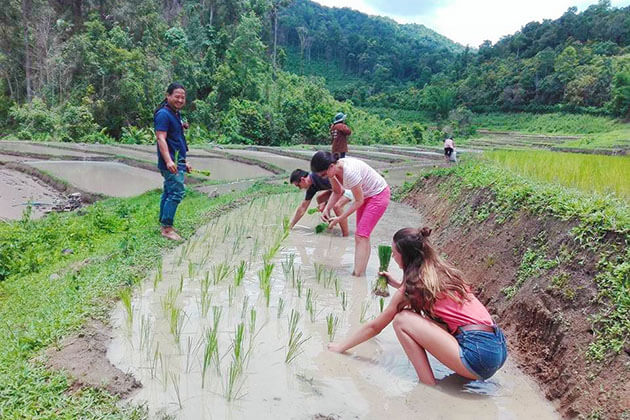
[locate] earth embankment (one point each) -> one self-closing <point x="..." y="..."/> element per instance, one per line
<point x="540" y="285"/>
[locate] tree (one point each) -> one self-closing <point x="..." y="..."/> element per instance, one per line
<point x="620" y="103"/>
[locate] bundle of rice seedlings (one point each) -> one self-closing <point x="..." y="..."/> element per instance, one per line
<point x="384" y="255"/>
<point x="321" y="227"/>
<point x="313" y="210"/>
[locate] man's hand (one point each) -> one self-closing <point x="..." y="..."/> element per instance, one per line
<point x="185" y="125"/>
<point x="188" y="167"/>
<point x="171" y="166"/>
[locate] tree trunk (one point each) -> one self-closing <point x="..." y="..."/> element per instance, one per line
<point x="275" y="35"/>
<point x="26" y="17"/>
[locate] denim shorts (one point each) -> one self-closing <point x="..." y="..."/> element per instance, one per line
<point x="482" y="352"/>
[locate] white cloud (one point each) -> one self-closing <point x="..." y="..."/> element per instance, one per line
<point x="471" y="22"/>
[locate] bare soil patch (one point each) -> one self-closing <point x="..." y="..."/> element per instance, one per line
<point x="84" y="357"/>
<point x="546" y="321"/>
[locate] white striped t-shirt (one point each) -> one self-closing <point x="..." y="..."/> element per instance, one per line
<point x="357" y="172"/>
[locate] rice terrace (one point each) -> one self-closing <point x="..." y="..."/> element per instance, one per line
<point x="283" y="210"/>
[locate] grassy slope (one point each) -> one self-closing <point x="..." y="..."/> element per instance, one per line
<point x="115" y="243"/>
<point x="597" y="217"/>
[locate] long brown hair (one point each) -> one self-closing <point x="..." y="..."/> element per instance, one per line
<point x="427" y="277"/>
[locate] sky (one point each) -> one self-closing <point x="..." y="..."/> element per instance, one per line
<point x="468" y="22"/>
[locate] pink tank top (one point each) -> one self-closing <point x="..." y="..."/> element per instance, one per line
<point x="455" y="314"/>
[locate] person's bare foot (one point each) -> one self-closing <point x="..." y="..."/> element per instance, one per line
<point x="169" y="233"/>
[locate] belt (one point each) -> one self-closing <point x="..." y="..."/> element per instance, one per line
<point x="477" y="327"/>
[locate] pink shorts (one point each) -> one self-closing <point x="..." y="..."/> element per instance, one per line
<point x="371" y="212"/>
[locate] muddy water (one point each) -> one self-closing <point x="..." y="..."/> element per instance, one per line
<point x="308" y="154"/>
<point x="26" y="147"/>
<point x="373" y="381"/>
<point x="285" y="162"/>
<point x="227" y="170"/>
<point x="108" y="178"/>
<point x="17" y="190"/>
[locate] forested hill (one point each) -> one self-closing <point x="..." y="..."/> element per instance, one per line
<point x="373" y="47"/>
<point x="578" y="62"/>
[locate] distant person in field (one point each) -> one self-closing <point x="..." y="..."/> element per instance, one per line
<point x="339" y="133"/>
<point x="172" y="148"/>
<point x="313" y="184"/>
<point x="449" y="150"/>
<point x="371" y="198"/>
<point x="434" y="311"/>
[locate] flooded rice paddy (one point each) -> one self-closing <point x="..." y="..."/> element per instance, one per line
<point x="285" y="162"/>
<point x="109" y="178"/>
<point x="234" y="324"/>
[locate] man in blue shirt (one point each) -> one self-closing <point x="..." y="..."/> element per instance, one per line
<point x="313" y="183"/>
<point x="172" y="148"/>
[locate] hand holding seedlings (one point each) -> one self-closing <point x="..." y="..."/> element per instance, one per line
<point x="390" y="279"/>
<point x="384" y="255"/>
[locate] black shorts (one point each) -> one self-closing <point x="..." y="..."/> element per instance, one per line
<point x="448" y="151"/>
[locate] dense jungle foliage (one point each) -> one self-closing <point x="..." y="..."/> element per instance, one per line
<point x="94" y="70"/>
<point x="579" y="62"/>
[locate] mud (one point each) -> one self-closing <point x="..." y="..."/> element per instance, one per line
<point x="18" y="190"/>
<point x="375" y="380"/>
<point x="548" y="326"/>
<point x="108" y="178"/>
<point x="84" y="358"/>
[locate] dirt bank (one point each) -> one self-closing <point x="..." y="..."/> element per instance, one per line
<point x="547" y="318"/>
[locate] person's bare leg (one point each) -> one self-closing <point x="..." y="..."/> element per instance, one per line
<point x="417" y="335"/>
<point x="361" y="255"/>
<point x="345" y="231"/>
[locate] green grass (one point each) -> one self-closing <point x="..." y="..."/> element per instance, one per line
<point x="589" y="173"/>
<point x="46" y="295"/>
<point x="615" y="139"/>
<point x="553" y="123"/>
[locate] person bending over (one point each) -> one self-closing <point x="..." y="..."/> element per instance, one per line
<point x="371" y="198"/>
<point x="314" y="184"/>
<point x="434" y="311"/>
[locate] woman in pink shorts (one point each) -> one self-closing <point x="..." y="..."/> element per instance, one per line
<point x="371" y="197"/>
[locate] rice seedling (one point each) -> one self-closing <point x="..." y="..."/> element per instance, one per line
<point x="321" y="227"/>
<point x="181" y="283"/>
<point x="210" y="354"/>
<point x="146" y="328"/>
<point x="175" y="380"/>
<point x="216" y="316"/>
<point x="309" y="298"/>
<point x="312" y="310"/>
<point x="298" y="285"/>
<point x="244" y="307"/>
<point x="159" y="275"/>
<point x="332" y="321"/>
<point x="252" y="321"/>
<point x="169" y="299"/>
<point x="164" y="371"/>
<point x="381" y="303"/>
<point x="280" y="307"/>
<point x="295" y="342"/>
<point x="384" y="256"/>
<point x="226" y="231"/>
<point x="337" y="286"/>
<point x="154" y="360"/>
<point x="125" y="297"/>
<point x="344" y="300"/>
<point x="219" y="272"/>
<point x="191" y="270"/>
<point x="206" y="296"/>
<point x="313" y="210"/>
<point x="240" y="273"/>
<point x="189" y="351"/>
<point x="288" y="265"/>
<point x="237" y="343"/>
<point x="319" y="272"/>
<point x="364" y="308"/>
<point x="286" y="224"/>
<point x="231" y="292"/>
<point x="295" y="275"/>
<point x="176" y="322"/>
<point x="233" y="385"/>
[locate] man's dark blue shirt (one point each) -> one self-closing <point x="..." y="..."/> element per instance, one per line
<point x="165" y="119"/>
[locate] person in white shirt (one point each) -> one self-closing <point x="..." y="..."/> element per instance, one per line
<point x="371" y="198"/>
